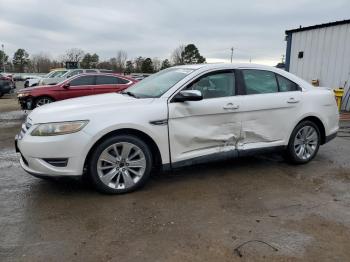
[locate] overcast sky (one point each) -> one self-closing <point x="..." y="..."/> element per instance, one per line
<point x="154" y="28"/>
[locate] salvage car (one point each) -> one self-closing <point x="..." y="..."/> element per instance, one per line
<point x="180" y="116"/>
<point x="7" y="85"/>
<point x="80" y="85"/>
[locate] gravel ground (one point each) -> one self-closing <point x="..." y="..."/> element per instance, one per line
<point x="249" y="209"/>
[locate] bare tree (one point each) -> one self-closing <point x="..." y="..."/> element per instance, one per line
<point x="41" y="63"/>
<point x="73" y="55"/>
<point x="121" y="58"/>
<point x="177" y="55"/>
<point x="157" y="64"/>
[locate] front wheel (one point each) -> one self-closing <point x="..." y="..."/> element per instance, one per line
<point x="120" y="164"/>
<point x="40" y="101"/>
<point x="303" y="143"/>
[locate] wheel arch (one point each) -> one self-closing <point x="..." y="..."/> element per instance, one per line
<point x="317" y="121"/>
<point x="156" y="155"/>
<point x="35" y="98"/>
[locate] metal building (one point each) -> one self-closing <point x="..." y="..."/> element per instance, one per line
<point x="320" y="54"/>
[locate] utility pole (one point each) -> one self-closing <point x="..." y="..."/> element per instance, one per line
<point x="3" y="57"/>
<point x="231" y="54"/>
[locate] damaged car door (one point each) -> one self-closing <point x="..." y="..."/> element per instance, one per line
<point x="270" y="107"/>
<point x="209" y="126"/>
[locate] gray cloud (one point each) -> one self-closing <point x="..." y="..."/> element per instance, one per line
<point x="154" y="28"/>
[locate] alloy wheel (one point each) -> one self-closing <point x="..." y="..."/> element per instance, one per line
<point x="121" y="165"/>
<point x="306" y="142"/>
<point x="43" y="101"/>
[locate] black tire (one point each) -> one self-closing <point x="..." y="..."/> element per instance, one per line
<point x="290" y="153"/>
<point x="1" y="94"/>
<point x="93" y="163"/>
<point x="38" y="99"/>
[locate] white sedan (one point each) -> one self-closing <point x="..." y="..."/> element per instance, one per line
<point x="180" y="116"/>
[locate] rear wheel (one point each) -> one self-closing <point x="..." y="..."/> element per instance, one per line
<point x="120" y="164"/>
<point x="303" y="143"/>
<point x="43" y="100"/>
<point x="1" y="94"/>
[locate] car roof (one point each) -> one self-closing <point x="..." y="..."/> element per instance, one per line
<point x="105" y="74"/>
<point x="224" y="66"/>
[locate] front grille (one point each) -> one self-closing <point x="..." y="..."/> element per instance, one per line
<point x="57" y="162"/>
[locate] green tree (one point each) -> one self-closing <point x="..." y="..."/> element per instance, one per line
<point x="89" y="61"/>
<point x="165" y="64"/>
<point x="20" y="60"/>
<point x="138" y="64"/>
<point x="94" y="60"/>
<point x="129" y="68"/>
<point x="3" y="60"/>
<point x="191" y="55"/>
<point x="147" y="66"/>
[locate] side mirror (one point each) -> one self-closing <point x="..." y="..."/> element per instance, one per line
<point x="66" y="85"/>
<point x="188" y="95"/>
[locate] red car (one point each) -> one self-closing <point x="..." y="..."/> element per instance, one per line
<point x="80" y="85"/>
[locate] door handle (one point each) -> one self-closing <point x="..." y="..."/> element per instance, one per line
<point x="292" y="100"/>
<point x="231" y="106"/>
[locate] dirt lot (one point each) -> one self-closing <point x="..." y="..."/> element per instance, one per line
<point x="203" y="213"/>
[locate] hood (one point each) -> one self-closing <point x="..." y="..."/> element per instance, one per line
<point x="83" y="108"/>
<point x="33" y="88"/>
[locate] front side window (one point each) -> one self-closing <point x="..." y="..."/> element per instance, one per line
<point x="91" y="71"/>
<point x="259" y="81"/>
<point x="156" y="85"/>
<point x="286" y="85"/>
<point x="83" y="80"/>
<point x="215" y="85"/>
<point x="106" y="80"/>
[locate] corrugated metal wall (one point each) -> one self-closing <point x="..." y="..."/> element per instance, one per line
<point x="326" y="55"/>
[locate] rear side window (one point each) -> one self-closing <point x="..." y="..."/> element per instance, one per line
<point x="286" y="85"/>
<point x="106" y="80"/>
<point x="122" y="81"/>
<point x="73" y="73"/>
<point x="83" y="80"/>
<point x="259" y="81"/>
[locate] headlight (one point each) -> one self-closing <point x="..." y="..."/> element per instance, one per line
<point x="61" y="128"/>
<point x="22" y="94"/>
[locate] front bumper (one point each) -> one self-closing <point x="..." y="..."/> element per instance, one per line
<point x="26" y="102"/>
<point x="35" y="152"/>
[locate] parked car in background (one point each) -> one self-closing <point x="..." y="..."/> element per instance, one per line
<point x="79" y="85"/>
<point x="7" y="85"/>
<point x="139" y="76"/>
<point x="69" y="73"/>
<point x="180" y="116"/>
<point x="34" y="81"/>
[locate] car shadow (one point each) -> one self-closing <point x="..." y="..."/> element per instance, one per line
<point x="81" y="186"/>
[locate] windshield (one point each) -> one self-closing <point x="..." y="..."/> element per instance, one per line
<point x="58" y="74"/>
<point x="49" y="74"/>
<point x="156" y="85"/>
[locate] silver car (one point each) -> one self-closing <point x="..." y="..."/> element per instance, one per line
<point x="68" y="74"/>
